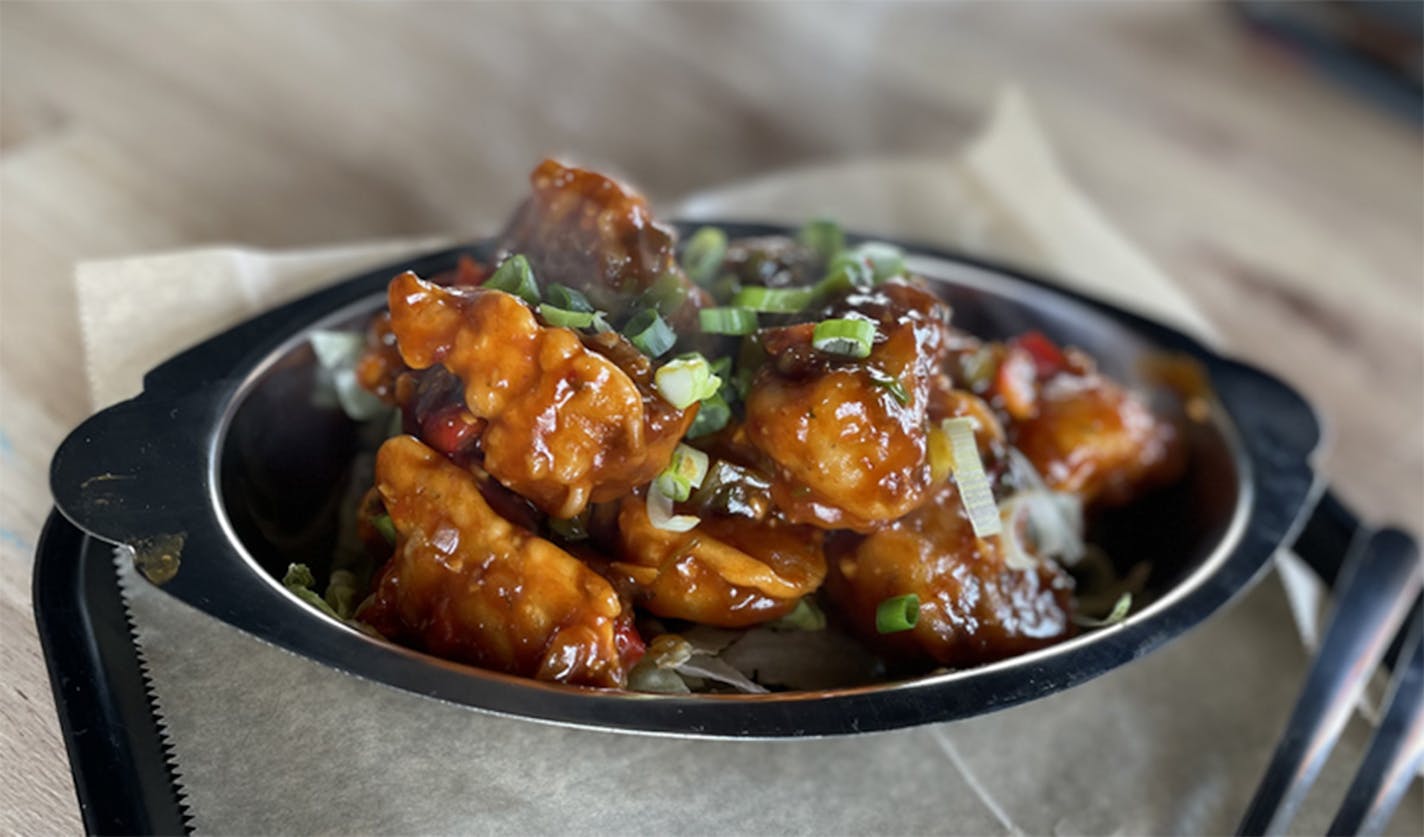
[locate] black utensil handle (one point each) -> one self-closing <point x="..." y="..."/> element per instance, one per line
<point x="1328" y="538"/>
<point x="1397" y="748"/>
<point x="1329" y="533"/>
<point x="1374" y="592"/>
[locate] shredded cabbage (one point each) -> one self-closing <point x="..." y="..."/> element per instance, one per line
<point x="1054" y="518"/>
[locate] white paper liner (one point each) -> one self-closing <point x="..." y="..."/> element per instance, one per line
<point x="267" y="742"/>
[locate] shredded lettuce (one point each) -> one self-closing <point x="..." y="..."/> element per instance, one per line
<point x="299" y="581"/>
<point x="805" y="617"/>
<point x="337" y="353"/>
<point x="341" y="593"/>
<point x="1118" y="613"/>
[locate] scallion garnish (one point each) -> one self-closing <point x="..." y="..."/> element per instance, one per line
<point x="650" y="333"/>
<point x="968" y="469"/>
<point x="891" y="384"/>
<point x="672" y="486"/>
<point x="734" y="321"/>
<point x="773" y="300"/>
<point x="563" y="318"/>
<point x="846" y="273"/>
<point x="660" y="513"/>
<point x="846" y="337"/>
<point x="703" y="254"/>
<point x="685" y="472"/>
<point x="384" y="525"/>
<point x="666" y="295"/>
<point x="686" y="380"/>
<point x="514" y="276"/>
<point x="712" y="416"/>
<point x="562" y="296"/>
<point x="899" y="613"/>
<point x="725" y="288"/>
<point x="722" y="367"/>
<point x="884" y="260"/>
<point x="823" y="236"/>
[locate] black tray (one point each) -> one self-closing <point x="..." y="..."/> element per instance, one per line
<point x="117" y="752"/>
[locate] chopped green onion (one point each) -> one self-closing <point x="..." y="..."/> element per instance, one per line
<point x="570" y="529"/>
<point x="515" y="276"/>
<point x="704" y="253"/>
<point x="774" y="300"/>
<point x="685" y="472"/>
<point x="1117" y="614"/>
<point x="673" y="486"/>
<point x="384" y="525"/>
<point x="712" y="416"/>
<point x="850" y="338"/>
<point x="726" y="288"/>
<point x="804" y="617"/>
<point x="897" y="614"/>
<point x="666" y="295"/>
<point x="650" y="333"/>
<point x="823" y="236"/>
<point x="562" y="296"/>
<point x="686" y="380"/>
<point x="891" y="384"/>
<point x="884" y="260"/>
<point x="563" y="318"/>
<point x="689" y="463"/>
<point x="968" y="469"/>
<point x="735" y="321"/>
<point x="660" y="513"/>
<point x="846" y="273"/>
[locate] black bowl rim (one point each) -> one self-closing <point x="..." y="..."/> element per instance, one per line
<point x="144" y="473"/>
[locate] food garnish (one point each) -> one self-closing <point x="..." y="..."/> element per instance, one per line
<point x="896" y="614"/>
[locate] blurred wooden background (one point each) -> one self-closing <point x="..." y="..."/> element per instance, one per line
<point x="1291" y="211"/>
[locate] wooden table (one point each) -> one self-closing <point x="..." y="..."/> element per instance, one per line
<point x="1291" y="211"/>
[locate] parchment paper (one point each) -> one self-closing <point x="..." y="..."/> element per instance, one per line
<point x="267" y="742"/>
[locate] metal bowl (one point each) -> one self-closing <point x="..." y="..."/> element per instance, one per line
<point x="224" y="470"/>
